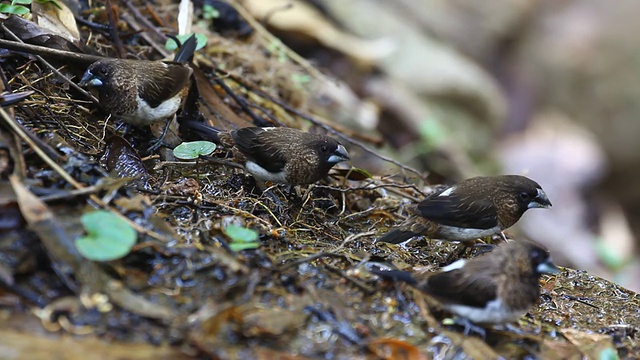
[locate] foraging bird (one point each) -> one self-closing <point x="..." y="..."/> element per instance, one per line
<point x="494" y="288"/>
<point x="142" y="92"/>
<point x="277" y="154"/>
<point x="471" y="209"/>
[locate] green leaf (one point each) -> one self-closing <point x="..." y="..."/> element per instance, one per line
<point x="608" y="256"/>
<point x="193" y="149"/>
<point x="201" y="41"/>
<point x="609" y="354"/>
<point x="108" y="236"/>
<point x="22" y="2"/>
<point x="52" y="2"/>
<point x="13" y="9"/>
<point x="240" y="234"/>
<point x="243" y="246"/>
<point x="209" y="12"/>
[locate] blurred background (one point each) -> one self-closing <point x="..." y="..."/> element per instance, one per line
<point x="456" y="88"/>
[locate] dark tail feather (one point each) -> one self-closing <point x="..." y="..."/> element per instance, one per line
<point x="193" y="129"/>
<point x="393" y="275"/>
<point x="397" y="236"/>
<point x="186" y="51"/>
<point x="7" y="99"/>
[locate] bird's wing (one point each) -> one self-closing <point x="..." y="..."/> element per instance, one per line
<point x="475" y="289"/>
<point x="459" y="210"/>
<point x="258" y="145"/>
<point x="158" y="86"/>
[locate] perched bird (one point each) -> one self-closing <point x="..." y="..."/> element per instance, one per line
<point x="276" y="154"/>
<point x="473" y="208"/>
<point x="141" y="92"/>
<point x="494" y="288"/>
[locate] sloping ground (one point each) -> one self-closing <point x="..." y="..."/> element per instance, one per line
<point x="183" y="293"/>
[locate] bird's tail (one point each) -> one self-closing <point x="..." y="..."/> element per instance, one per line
<point x="393" y="275"/>
<point x="186" y="50"/>
<point x="397" y="236"/>
<point x="198" y="130"/>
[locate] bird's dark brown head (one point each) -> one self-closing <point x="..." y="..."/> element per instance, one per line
<point x="330" y="151"/>
<point x="514" y="195"/>
<point x="99" y="74"/>
<point x="526" y="192"/>
<point x="531" y="259"/>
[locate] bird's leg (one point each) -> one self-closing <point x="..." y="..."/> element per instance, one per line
<point x="269" y="193"/>
<point x="470" y="327"/>
<point x="156" y="144"/>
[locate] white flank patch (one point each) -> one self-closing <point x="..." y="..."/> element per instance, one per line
<point x="262" y="174"/>
<point x="494" y="313"/>
<point x="145" y="113"/>
<point x="448" y="192"/>
<point x="462" y="234"/>
<point x="459" y="264"/>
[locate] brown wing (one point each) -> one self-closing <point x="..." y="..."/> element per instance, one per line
<point x="460" y="210"/>
<point x="468" y="288"/>
<point x="163" y="81"/>
<point x="264" y="147"/>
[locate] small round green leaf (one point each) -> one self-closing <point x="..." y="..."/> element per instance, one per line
<point x="609" y="354"/>
<point x="108" y="236"/>
<point x="238" y="246"/>
<point x="241" y="235"/>
<point x="193" y="149"/>
<point x="13" y="9"/>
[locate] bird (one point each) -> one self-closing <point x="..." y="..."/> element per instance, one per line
<point x="277" y="154"/>
<point x="497" y="287"/>
<point x="473" y="208"/>
<point x="141" y="92"/>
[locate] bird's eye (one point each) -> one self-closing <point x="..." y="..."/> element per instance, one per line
<point x="524" y="196"/>
<point x="324" y="148"/>
<point x="537" y="256"/>
<point x="103" y="72"/>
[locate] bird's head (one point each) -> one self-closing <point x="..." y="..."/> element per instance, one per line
<point x="533" y="259"/>
<point x="98" y="74"/>
<point x="524" y="192"/>
<point x="331" y="152"/>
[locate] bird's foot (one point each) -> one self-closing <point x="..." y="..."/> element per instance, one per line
<point x="159" y="142"/>
<point x="470" y="327"/>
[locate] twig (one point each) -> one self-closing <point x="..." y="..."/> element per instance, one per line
<point x="68" y="178"/>
<point x="51" y="67"/>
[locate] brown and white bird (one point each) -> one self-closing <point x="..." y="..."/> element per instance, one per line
<point x="277" y="154"/>
<point x="141" y="92"/>
<point x="497" y="287"/>
<point x="474" y="208"/>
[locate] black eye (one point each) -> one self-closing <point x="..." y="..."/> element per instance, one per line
<point x="324" y="148"/>
<point x="537" y="256"/>
<point x="524" y="197"/>
<point x="103" y="72"/>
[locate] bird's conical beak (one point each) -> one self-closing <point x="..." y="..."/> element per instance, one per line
<point x="339" y="155"/>
<point x="89" y="80"/>
<point x="540" y="201"/>
<point x="547" y="267"/>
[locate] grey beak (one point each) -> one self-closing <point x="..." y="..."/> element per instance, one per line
<point x="339" y="155"/>
<point x="89" y="80"/>
<point x="547" y="267"/>
<point x="540" y="201"/>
